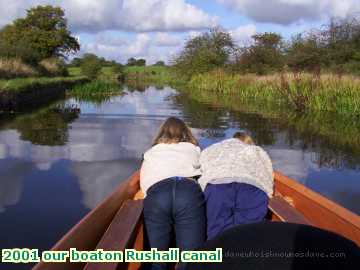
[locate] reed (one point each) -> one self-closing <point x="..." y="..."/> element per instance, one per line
<point x="96" y="91"/>
<point x="299" y="91"/>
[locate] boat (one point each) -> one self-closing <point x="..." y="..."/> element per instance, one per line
<point x="116" y="223"/>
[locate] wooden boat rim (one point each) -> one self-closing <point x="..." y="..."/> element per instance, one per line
<point x="335" y="208"/>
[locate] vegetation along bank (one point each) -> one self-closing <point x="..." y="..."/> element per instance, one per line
<point x="27" y="93"/>
<point x="316" y="71"/>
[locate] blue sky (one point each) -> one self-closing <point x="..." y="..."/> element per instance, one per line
<point x="157" y="29"/>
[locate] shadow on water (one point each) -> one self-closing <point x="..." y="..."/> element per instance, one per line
<point x="59" y="162"/>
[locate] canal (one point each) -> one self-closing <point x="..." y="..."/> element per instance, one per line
<point x="59" y="162"/>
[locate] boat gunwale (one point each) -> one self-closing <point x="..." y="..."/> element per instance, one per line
<point x="320" y="200"/>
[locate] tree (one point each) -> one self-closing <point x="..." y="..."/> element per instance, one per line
<point x="131" y="61"/>
<point x="141" y="62"/>
<point x="160" y="63"/>
<point x="265" y="55"/>
<point x="335" y="46"/>
<point x="305" y="53"/>
<point x="44" y="31"/>
<point x="134" y="62"/>
<point x="204" y="53"/>
<point x="76" y="62"/>
<point x="91" y="66"/>
<point x="342" y="38"/>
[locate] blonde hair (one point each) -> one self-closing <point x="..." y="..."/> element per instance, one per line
<point x="174" y="130"/>
<point x="245" y="138"/>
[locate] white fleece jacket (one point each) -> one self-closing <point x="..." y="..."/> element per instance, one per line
<point x="163" y="161"/>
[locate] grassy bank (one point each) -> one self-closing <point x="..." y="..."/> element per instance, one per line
<point x="141" y="77"/>
<point x="152" y="74"/>
<point x="23" y="84"/>
<point x="106" y="74"/>
<point x="305" y="92"/>
<point x="299" y="92"/>
<point x="25" y="93"/>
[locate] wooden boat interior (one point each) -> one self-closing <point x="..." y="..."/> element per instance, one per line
<point x="116" y="223"/>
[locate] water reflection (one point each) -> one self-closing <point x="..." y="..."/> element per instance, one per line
<point x="101" y="149"/>
<point x="60" y="162"/>
<point x="12" y="172"/>
<point x="98" y="179"/>
<point x="48" y="126"/>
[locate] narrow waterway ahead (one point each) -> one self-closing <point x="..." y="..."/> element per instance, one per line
<point x="59" y="162"/>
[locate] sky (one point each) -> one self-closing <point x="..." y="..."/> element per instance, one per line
<point x="157" y="29"/>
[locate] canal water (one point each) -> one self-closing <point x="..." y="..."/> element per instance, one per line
<point x="59" y="162"/>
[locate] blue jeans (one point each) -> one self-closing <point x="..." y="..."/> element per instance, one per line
<point x="174" y="207"/>
<point x="228" y="205"/>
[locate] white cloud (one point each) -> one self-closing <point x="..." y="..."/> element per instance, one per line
<point x="194" y="34"/>
<point x="290" y="11"/>
<point x="106" y="47"/>
<point x="120" y="47"/>
<point x="127" y="15"/>
<point x="242" y="35"/>
<point x="140" y="46"/>
<point x="167" y="40"/>
<point x="111" y="39"/>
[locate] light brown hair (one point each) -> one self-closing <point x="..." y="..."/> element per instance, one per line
<point x="245" y="138"/>
<point x="174" y="130"/>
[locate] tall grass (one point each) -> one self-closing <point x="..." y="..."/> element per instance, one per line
<point x="300" y="92"/>
<point x="53" y="67"/>
<point x="96" y="91"/>
<point x="13" y="67"/>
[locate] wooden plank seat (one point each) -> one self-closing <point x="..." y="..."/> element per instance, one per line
<point x="285" y="212"/>
<point x="121" y="233"/>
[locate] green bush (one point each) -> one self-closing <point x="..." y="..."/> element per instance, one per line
<point x="91" y="67"/>
<point x="118" y="71"/>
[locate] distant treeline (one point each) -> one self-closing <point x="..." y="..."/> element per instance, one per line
<point x="131" y="62"/>
<point x="91" y="65"/>
<point x="335" y="47"/>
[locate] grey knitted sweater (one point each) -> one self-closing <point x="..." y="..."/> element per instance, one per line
<point x="234" y="161"/>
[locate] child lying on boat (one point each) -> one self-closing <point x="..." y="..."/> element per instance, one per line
<point x="237" y="179"/>
<point x="174" y="205"/>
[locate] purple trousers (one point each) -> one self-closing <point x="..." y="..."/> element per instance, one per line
<point x="228" y="205"/>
